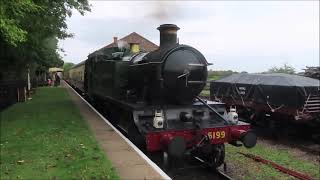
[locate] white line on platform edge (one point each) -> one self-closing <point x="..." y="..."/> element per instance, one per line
<point x="151" y="163"/>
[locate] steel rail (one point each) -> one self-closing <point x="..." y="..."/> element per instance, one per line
<point x="223" y="175"/>
<point x="217" y="171"/>
<point x="277" y="166"/>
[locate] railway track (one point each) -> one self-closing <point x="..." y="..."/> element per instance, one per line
<point x="197" y="173"/>
<point x="223" y="175"/>
<point x="190" y="169"/>
<point x="280" y="168"/>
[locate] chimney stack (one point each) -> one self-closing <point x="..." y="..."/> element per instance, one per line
<point x="134" y="47"/>
<point x="115" y="40"/>
<point x="168" y="34"/>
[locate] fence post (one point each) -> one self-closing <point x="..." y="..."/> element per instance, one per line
<point x="18" y="94"/>
<point x="25" y="94"/>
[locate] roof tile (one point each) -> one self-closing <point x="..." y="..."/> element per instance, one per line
<point x="136" y="38"/>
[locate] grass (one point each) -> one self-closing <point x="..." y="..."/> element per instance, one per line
<point x="205" y="93"/>
<point x="47" y="138"/>
<point x="255" y="170"/>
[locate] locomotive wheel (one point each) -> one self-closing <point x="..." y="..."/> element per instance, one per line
<point x="135" y="136"/>
<point x="171" y="162"/>
<point x="166" y="160"/>
<point x="211" y="155"/>
<point x="112" y="113"/>
<point x="216" y="159"/>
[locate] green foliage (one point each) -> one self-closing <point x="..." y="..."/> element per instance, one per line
<point x="214" y="75"/>
<point x="11" y="13"/>
<point x="287" y="69"/>
<point x="47" y="138"/>
<point x="29" y="33"/>
<point x="313" y="72"/>
<point x="205" y="93"/>
<point x="67" y="65"/>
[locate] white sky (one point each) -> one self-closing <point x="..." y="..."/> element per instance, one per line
<point x="247" y="36"/>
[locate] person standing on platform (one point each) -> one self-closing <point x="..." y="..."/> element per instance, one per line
<point x="57" y="81"/>
<point x="53" y="79"/>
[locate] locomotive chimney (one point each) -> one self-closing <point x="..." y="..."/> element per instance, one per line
<point x="168" y="34"/>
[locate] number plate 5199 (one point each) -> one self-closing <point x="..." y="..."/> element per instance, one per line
<point x="216" y="134"/>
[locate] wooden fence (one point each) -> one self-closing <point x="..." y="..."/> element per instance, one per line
<point x="11" y="92"/>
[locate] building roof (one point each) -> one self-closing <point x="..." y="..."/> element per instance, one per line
<point x="134" y="38"/>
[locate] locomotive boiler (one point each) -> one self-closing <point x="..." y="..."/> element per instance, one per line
<point x="153" y="98"/>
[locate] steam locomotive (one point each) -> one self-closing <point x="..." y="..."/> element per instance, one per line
<point x="153" y="98"/>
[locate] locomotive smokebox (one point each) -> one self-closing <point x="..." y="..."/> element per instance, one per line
<point x="168" y="34"/>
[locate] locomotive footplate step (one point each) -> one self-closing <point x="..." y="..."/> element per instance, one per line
<point x="125" y="158"/>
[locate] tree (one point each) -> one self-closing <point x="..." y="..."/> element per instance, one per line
<point x="313" y="72"/>
<point x="48" y="16"/>
<point x="287" y="69"/>
<point x="29" y="33"/>
<point x="67" y="65"/>
<point x="11" y="13"/>
<point x="214" y="75"/>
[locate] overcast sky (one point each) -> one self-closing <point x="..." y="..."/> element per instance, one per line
<point x="241" y="36"/>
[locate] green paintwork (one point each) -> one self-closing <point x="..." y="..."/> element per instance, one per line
<point x="109" y="77"/>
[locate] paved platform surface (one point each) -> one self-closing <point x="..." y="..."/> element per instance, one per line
<point x="127" y="162"/>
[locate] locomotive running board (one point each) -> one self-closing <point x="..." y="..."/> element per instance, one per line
<point x="197" y="82"/>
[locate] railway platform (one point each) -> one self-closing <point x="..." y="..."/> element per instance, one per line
<point x="129" y="162"/>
